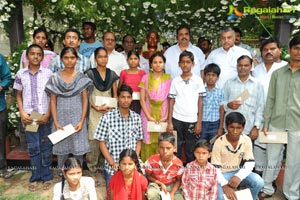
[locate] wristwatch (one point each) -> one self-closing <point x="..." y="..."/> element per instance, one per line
<point x="256" y="127"/>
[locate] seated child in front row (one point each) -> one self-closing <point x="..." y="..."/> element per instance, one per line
<point x="128" y="182"/>
<point x="164" y="170"/>
<point x="199" y="180"/>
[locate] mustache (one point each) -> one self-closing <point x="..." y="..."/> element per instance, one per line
<point x="269" y="54"/>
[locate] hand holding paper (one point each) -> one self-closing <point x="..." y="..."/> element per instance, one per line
<point x="59" y="135"/>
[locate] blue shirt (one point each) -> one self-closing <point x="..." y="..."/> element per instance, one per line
<point x="211" y="104"/>
<point x="5" y="78"/>
<point x="87" y="49"/>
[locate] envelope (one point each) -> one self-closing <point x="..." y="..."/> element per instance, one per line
<point x="136" y="96"/>
<point x="110" y="102"/>
<point x="59" y="135"/>
<point x="165" y="196"/>
<point x="273" y="137"/>
<point x="33" y="127"/>
<point x="153" y="127"/>
<point x="243" y="96"/>
<point x="242" y="195"/>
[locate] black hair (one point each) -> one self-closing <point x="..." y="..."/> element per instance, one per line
<point x="123" y="39"/>
<point x="157" y="54"/>
<point x="50" y="45"/>
<point x="132" y="52"/>
<point x="99" y="49"/>
<point x="124" y="88"/>
<point x="245" y="57"/>
<point x="212" y="67"/>
<point x="91" y="24"/>
<point x="207" y="40"/>
<point x="39" y="30"/>
<point x="235" y="117"/>
<point x="237" y="30"/>
<point x="186" y="54"/>
<point x="153" y="31"/>
<point x="268" y="41"/>
<point x="295" y="41"/>
<point x="203" y="144"/>
<point x="132" y="154"/>
<point x="72" y="30"/>
<point x="167" y="137"/>
<point x="119" y="46"/>
<point x="67" y="50"/>
<point x="34" y="46"/>
<point x="165" y="45"/>
<point x="69" y="163"/>
<point x="183" y="26"/>
<point x="200" y="39"/>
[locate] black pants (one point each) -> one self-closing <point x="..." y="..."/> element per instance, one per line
<point x="3" y="129"/>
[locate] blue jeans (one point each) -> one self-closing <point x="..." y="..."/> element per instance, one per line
<point x="40" y="153"/>
<point x="186" y="137"/>
<point x="253" y="181"/>
<point x="107" y="178"/>
<point x="209" y="130"/>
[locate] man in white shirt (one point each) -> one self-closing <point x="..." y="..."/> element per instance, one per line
<point x="172" y="53"/>
<point x="226" y="56"/>
<point x="116" y="60"/>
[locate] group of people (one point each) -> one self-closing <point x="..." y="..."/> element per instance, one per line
<point x="214" y="102"/>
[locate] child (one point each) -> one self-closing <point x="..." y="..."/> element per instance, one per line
<point x="105" y="84"/>
<point x="213" y="110"/>
<point x="73" y="185"/>
<point x="199" y="180"/>
<point x="164" y="170"/>
<point x="185" y="106"/>
<point x="128" y="182"/>
<point x="69" y="105"/>
<point x="132" y="77"/>
<point x="233" y="156"/>
<point x="30" y="84"/>
<point x="40" y="38"/>
<point x="154" y="89"/>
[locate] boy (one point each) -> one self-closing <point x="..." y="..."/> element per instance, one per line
<point x="233" y="156"/>
<point x="199" y="180"/>
<point x="185" y="106"/>
<point x="164" y="170"/>
<point x="213" y="110"/>
<point x="30" y="84"/>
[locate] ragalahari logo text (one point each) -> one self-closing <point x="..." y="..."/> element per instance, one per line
<point x="233" y="13"/>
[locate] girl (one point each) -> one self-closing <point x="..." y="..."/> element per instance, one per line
<point x="40" y="38"/>
<point x="68" y="90"/>
<point x="105" y="84"/>
<point x="128" y="183"/>
<point x="154" y="89"/>
<point x="73" y="185"/>
<point x="132" y="77"/>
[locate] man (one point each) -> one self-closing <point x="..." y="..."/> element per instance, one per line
<point x="119" y="129"/>
<point x="116" y="60"/>
<point x="233" y="157"/>
<point x="271" y="62"/>
<point x="172" y="53"/>
<point x="205" y="46"/>
<point x="226" y="56"/>
<point x="5" y="78"/>
<point x="71" y="39"/>
<point x="90" y="43"/>
<point x="282" y="114"/>
<point x="252" y="108"/>
<point x="129" y="42"/>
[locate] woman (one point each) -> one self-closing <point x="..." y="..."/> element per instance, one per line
<point x="68" y="91"/>
<point x="73" y="185"/>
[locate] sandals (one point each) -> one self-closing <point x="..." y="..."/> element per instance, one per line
<point x="7" y="174"/>
<point x="262" y="196"/>
<point x="33" y="186"/>
<point x="47" y="185"/>
<point x="97" y="182"/>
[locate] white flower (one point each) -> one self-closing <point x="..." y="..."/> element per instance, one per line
<point x="186" y="5"/>
<point x="146" y="4"/>
<point x="173" y="1"/>
<point x="132" y="14"/>
<point x="202" y="10"/>
<point x="211" y="9"/>
<point x="108" y="20"/>
<point x="122" y="8"/>
<point x="127" y="4"/>
<point x="295" y="31"/>
<point x="292" y="20"/>
<point x="113" y="14"/>
<point x="117" y="1"/>
<point x="153" y="5"/>
<point x="224" y="2"/>
<point x="92" y="3"/>
<point x="113" y="8"/>
<point x="297" y="23"/>
<point x="53" y="1"/>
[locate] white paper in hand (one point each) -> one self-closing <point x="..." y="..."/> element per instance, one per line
<point x="165" y="196"/>
<point x="59" y="135"/>
<point x="242" y="195"/>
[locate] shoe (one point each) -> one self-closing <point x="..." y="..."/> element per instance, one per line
<point x="7" y="173"/>
<point x="47" y="185"/>
<point x="33" y="186"/>
<point x="262" y="196"/>
<point x="274" y="186"/>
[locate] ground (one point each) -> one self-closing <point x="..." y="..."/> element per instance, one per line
<point x="16" y="188"/>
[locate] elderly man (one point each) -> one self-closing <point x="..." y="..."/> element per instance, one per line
<point x="172" y="53"/>
<point x="116" y="60"/>
<point x="226" y="56"/>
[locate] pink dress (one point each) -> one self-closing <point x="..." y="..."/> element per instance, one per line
<point x="48" y="55"/>
<point x="132" y="80"/>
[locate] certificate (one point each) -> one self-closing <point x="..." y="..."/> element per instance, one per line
<point x="136" y="96"/>
<point x="108" y="101"/>
<point x="243" y="96"/>
<point x="33" y="127"/>
<point x="273" y="137"/>
<point x="59" y="135"/>
<point x="154" y="127"/>
<point x="242" y="195"/>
